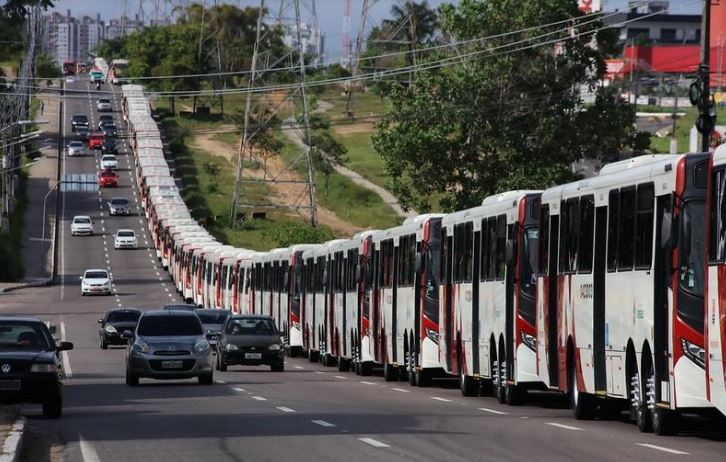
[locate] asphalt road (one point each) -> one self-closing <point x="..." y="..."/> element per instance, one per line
<point x="250" y="414"/>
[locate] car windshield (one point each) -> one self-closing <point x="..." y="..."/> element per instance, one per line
<point x="108" y="158"/>
<point x="82" y="220"/>
<point x="23" y="335"/>
<point x="251" y="326"/>
<point x="76" y="144"/>
<point x="81" y="118"/>
<point x="96" y="275"/>
<point x="123" y="316"/>
<point x="213" y="317"/>
<point x="107" y="174"/>
<point x="104" y="101"/>
<point x="155" y="326"/>
<point x="180" y="307"/>
<point x="82" y="129"/>
<point x="126" y="234"/>
<point x="121" y="202"/>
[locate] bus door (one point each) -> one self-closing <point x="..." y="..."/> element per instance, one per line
<point x="552" y="321"/>
<point x="661" y="276"/>
<point x="598" y="293"/>
<point x="448" y="305"/>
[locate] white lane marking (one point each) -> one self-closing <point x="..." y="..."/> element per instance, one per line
<point x="661" y="448"/>
<point x="374" y="443"/>
<point x="441" y="399"/>
<point x="323" y="423"/>
<point x="221" y="381"/>
<point x="566" y="427"/>
<point x="339" y="377"/>
<point x="241" y="390"/>
<point x="493" y="411"/>
<point x="88" y="454"/>
<point x="401" y="390"/>
<point x="119" y="304"/>
<point x="367" y="383"/>
<point x="285" y="409"/>
<point x="319" y="372"/>
<point x="299" y="367"/>
<point x="64" y="354"/>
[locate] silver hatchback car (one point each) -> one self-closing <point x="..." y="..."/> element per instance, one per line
<point x="168" y="344"/>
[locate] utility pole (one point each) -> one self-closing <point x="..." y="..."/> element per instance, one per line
<point x="707" y="122"/>
<point x="674" y="138"/>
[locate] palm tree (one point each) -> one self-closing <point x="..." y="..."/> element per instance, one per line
<point x="414" y="22"/>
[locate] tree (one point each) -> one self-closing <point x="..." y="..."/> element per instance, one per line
<point x="19" y="9"/>
<point x="46" y="68"/>
<point x="504" y="120"/>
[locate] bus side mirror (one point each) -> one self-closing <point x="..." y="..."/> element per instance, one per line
<point x="510" y="253"/>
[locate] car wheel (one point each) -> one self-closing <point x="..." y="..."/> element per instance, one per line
<point x="280" y="367"/>
<point x="103" y="344"/>
<point x="221" y="364"/>
<point x="207" y="379"/>
<point x="53" y="408"/>
<point x="131" y="379"/>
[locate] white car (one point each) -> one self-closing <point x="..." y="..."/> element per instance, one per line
<point x="109" y="162"/>
<point x="82" y="225"/>
<point x="103" y="105"/>
<point x="125" y="239"/>
<point x="76" y="148"/>
<point x="96" y="281"/>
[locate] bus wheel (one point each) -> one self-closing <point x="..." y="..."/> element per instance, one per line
<point x="501" y="384"/>
<point x="639" y="407"/>
<point x="293" y="352"/>
<point x="390" y="373"/>
<point x="366" y="368"/>
<point x="582" y="404"/>
<point x="423" y="378"/>
<point x="485" y="387"/>
<point x="515" y="395"/>
<point x="312" y="356"/>
<point x="467" y="385"/>
<point x="664" y="421"/>
<point x="343" y="364"/>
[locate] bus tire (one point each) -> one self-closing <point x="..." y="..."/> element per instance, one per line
<point x="582" y="404"/>
<point x="293" y="352"/>
<point x="366" y="368"/>
<point x="515" y="395"/>
<point x="467" y="385"/>
<point x="390" y="373"/>
<point x="485" y="387"/>
<point x="665" y="421"/>
<point x="424" y="378"/>
<point x="343" y="364"/>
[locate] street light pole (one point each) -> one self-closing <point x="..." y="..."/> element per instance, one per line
<point x="45" y="200"/>
<point x="704" y="71"/>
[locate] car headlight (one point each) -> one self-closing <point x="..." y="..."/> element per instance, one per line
<point x="529" y="340"/>
<point x="231" y="347"/>
<point x="275" y="347"/>
<point x="694" y="352"/>
<point x="111" y="330"/>
<point x="201" y="345"/>
<point x="140" y="346"/>
<point x="44" y="368"/>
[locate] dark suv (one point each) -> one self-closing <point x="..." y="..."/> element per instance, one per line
<point x="30" y="369"/>
<point x="79" y="120"/>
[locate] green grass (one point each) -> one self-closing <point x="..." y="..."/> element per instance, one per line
<point x="347" y="200"/>
<point x="363" y="104"/>
<point x="209" y="182"/>
<point x="362" y="158"/>
<point x="683" y="134"/>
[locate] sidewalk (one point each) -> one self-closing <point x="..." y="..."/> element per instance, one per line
<point x="37" y="254"/>
<point x="11" y="432"/>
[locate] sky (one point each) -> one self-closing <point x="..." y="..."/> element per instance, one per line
<point x="330" y="12"/>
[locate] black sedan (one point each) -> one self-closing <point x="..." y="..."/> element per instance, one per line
<point x="212" y="320"/>
<point x="180" y="307"/>
<point x="109" y="131"/>
<point x="109" y="146"/>
<point x="114" y="324"/>
<point x="250" y="340"/>
<point x="30" y="369"/>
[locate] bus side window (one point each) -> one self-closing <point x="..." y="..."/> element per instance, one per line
<point x="644" y="226"/>
<point x="613" y="213"/>
<point x="586" y="234"/>
<point x="717" y="230"/>
<point x="626" y="229"/>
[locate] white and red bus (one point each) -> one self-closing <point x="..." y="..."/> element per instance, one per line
<point x="342" y="302"/>
<point x="621" y="289"/>
<point x="713" y="353"/>
<point x="487" y="327"/>
<point x="292" y="327"/>
<point x="397" y="319"/>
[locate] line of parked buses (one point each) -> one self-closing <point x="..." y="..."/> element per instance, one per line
<point x="611" y="290"/>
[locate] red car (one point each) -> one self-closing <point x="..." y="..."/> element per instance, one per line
<point x="95" y="140"/>
<point x="107" y="179"/>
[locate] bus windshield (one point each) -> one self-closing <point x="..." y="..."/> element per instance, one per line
<point x="691" y="274"/>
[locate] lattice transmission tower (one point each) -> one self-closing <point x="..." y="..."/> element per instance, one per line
<point x="292" y="186"/>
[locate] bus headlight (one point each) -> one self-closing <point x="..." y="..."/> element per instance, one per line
<point x="432" y="335"/>
<point x="529" y="340"/>
<point x="694" y="352"/>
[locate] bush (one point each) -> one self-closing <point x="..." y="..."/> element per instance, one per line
<point x="287" y="234"/>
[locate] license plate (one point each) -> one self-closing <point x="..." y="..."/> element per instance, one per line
<point x="171" y="364"/>
<point x="9" y="384"/>
<point x="253" y="355"/>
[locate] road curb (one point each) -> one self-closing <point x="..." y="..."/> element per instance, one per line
<point x="14" y="442"/>
<point x="25" y="285"/>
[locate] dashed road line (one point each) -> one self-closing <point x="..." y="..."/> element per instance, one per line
<point x="241" y="390"/>
<point x="285" y="409"/>
<point x="258" y="398"/>
<point x="566" y="427"/>
<point x="367" y="382"/>
<point x="441" y="399"/>
<point x="374" y="443"/>
<point x="493" y="411"/>
<point x="661" y="448"/>
<point x="339" y="377"/>
<point x="402" y="390"/>
<point x="299" y="367"/>
<point x="323" y="423"/>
